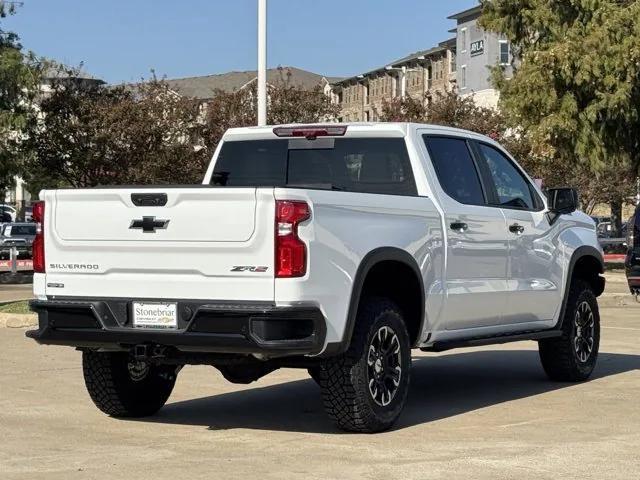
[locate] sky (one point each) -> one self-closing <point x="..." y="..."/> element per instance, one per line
<point x="124" y="40"/>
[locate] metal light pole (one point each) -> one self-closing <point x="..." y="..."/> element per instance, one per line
<point x="262" y="62"/>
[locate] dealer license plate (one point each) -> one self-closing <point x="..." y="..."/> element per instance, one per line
<point x="155" y="315"/>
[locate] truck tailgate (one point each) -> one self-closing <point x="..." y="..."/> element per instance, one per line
<point x="180" y="242"/>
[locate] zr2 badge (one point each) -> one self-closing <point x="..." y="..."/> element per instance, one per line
<point x="249" y="268"/>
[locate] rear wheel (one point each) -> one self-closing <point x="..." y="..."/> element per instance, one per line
<point x="123" y="387"/>
<point x="572" y="356"/>
<point x="365" y="389"/>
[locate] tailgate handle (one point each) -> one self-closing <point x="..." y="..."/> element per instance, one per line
<point x="149" y="199"/>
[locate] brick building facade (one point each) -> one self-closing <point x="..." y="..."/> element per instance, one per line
<point x="419" y="75"/>
<point x="463" y="62"/>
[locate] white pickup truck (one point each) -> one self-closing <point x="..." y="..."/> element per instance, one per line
<point x="335" y="248"/>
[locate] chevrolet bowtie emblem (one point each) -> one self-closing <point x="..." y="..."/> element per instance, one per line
<point x="149" y="224"/>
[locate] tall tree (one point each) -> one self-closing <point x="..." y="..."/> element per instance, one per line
<point x="287" y="103"/>
<point x="89" y="134"/>
<point x="576" y="82"/>
<point x="445" y="108"/>
<point x="450" y="109"/>
<point x="19" y="80"/>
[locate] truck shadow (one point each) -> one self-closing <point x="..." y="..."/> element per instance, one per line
<point x="441" y="386"/>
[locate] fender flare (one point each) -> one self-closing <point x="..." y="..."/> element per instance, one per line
<point x="370" y="260"/>
<point x="580" y="252"/>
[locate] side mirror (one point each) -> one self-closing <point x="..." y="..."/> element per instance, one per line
<point x="561" y="201"/>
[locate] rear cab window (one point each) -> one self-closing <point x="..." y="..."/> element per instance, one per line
<point x="455" y="168"/>
<point x="365" y="165"/>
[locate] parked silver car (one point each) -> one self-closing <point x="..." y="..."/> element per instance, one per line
<point x="18" y="235"/>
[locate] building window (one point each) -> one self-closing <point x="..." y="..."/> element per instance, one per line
<point x="452" y="65"/>
<point x="463" y="77"/>
<point x="463" y="40"/>
<point x="504" y="52"/>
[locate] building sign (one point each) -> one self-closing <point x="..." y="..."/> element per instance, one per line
<point x="477" y="48"/>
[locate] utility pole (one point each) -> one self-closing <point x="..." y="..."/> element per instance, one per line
<point x="262" y="62"/>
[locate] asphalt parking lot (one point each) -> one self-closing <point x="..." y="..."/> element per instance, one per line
<point x="487" y="413"/>
<point x="15" y="292"/>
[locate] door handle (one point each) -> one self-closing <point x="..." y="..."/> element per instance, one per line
<point x="459" y="226"/>
<point x="517" y="229"/>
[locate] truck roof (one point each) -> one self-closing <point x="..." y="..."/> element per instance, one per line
<point x="394" y="129"/>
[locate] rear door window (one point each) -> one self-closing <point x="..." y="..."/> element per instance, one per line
<point x="366" y="165"/>
<point x="455" y="169"/>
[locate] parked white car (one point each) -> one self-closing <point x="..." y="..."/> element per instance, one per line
<point x="335" y="248"/>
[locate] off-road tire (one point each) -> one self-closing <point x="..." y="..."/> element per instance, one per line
<point x="116" y="393"/>
<point x="558" y="355"/>
<point x="344" y="379"/>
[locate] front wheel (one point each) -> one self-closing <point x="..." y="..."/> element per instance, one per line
<point x="572" y="356"/>
<point x="123" y="387"/>
<point x="365" y="389"/>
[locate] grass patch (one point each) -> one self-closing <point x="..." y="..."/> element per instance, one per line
<point x="15" y="307"/>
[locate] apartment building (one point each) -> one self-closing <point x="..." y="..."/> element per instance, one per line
<point x="419" y="75"/>
<point x="477" y="52"/>
<point x="463" y="62"/>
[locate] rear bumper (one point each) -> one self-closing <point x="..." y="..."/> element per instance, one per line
<point x="244" y="328"/>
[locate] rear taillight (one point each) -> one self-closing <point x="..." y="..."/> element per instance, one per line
<point x="291" y="252"/>
<point x="38" y="241"/>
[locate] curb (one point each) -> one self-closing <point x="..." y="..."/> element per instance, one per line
<point x="20" y="278"/>
<point x="17" y="320"/>
<point x="14" y="300"/>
